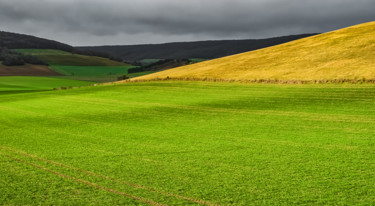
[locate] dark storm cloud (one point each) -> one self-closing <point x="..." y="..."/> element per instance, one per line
<point x="96" y="22"/>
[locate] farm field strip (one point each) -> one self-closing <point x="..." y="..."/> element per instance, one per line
<point x="205" y="144"/>
<point x="26" y="83"/>
<point x="302" y="116"/>
<point x="288" y="143"/>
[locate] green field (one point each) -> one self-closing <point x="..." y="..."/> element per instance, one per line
<point x="189" y="143"/>
<point x="15" y="84"/>
<point x="80" y="67"/>
<point x="149" y="61"/>
<point x="197" y="60"/>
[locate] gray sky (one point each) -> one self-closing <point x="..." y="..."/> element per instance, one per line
<point x="108" y="22"/>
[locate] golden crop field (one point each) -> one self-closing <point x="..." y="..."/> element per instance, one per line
<point x="346" y="54"/>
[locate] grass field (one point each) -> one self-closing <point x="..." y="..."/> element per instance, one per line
<point x="19" y="84"/>
<point x="345" y="54"/>
<point x="189" y="143"/>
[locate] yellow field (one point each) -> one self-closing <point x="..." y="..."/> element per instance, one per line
<point x="343" y="54"/>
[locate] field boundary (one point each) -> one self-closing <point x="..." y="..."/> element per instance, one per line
<point x="252" y="81"/>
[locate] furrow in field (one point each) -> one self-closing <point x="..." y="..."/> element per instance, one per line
<point x="85" y="182"/>
<point x="108" y="177"/>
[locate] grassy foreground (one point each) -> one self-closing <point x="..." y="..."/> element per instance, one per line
<point x="346" y="55"/>
<point x="189" y="143"/>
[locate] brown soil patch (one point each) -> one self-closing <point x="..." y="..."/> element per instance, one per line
<point x="27" y="70"/>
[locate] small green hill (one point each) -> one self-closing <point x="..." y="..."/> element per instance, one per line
<point x="346" y="54"/>
<point x="58" y="57"/>
<point x="17" y="41"/>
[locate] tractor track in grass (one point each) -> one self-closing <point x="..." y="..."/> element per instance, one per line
<point x="203" y="202"/>
<point x="64" y="176"/>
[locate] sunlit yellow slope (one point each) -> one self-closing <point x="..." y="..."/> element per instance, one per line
<point x="343" y="54"/>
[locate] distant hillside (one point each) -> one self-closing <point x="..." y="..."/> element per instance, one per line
<point x="188" y="50"/>
<point x="72" y="66"/>
<point x="25" y="55"/>
<point x="59" y="61"/>
<point x="21" y="41"/>
<point x="346" y="54"/>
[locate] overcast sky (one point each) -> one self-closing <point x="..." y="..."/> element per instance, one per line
<point x="108" y="22"/>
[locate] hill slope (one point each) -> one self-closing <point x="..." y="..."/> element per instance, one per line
<point x="188" y="50"/>
<point x="22" y="41"/>
<point x="343" y="54"/>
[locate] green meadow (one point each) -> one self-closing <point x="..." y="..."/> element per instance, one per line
<point x="180" y="143"/>
<point x="20" y="84"/>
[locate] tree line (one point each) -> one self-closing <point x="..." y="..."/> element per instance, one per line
<point x="11" y="58"/>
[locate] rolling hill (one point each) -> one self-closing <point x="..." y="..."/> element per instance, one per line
<point x="345" y="54"/>
<point x="22" y="41"/>
<point x="188" y="50"/>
